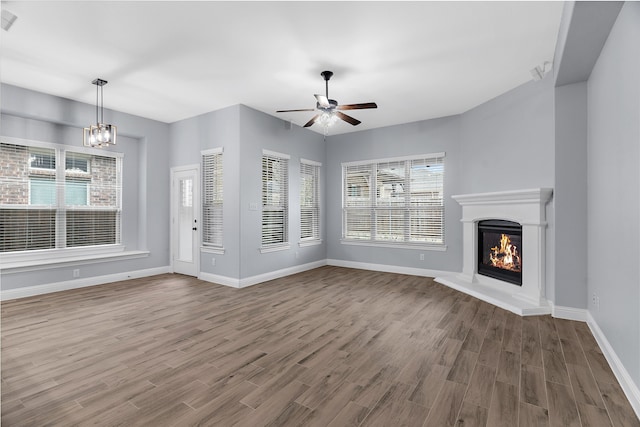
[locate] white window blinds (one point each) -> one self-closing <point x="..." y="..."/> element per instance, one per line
<point x="395" y="201"/>
<point x="55" y="198"/>
<point x="275" y="199"/>
<point x="309" y="200"/>
<point x="212" y="198"/>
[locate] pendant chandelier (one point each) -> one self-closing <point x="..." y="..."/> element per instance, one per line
<point x="100" y="134"/>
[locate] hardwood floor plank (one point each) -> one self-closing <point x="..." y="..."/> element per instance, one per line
<point x="503" y="411"/>
<point x="592" y="416"/>
<point x="532" y="386"/>
<point x="555" y="370"/>
<point x="617" y="405"/>
<point x="472" y="416"/>
<point x="330" y="346"/>
<point x="509" y="368"/>
<point x="533" y="416"/>
<point x="584" y="386"/>
<point x="445" y="409"/>
<point x="463" y="367"/>
<point x="481" y="386"/>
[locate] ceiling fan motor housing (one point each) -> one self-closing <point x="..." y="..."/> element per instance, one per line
<point x="333" y="104"/>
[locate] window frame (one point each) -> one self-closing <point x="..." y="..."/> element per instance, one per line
<point x="60" y="252"/>
<point x="315" y="208"/>
<point x="282" y="206"/>
<point x="371" y="205"/>
<point x="216" y="222"/>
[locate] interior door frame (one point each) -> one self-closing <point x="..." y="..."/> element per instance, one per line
<point x="196" y="209"/>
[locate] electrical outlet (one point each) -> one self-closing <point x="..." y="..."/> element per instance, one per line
<point x="297" y="255"/>
<point x="421" y="257"/>
<point x="213" y="261"/>
<point x="594" y="299"/>
<point x="76" y="272"/>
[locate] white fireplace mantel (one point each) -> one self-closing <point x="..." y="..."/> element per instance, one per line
<point x="526" y="207"/>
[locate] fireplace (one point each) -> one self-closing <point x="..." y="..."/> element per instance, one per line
<point x="513" y="222"/>
<point x="500" y="250"/>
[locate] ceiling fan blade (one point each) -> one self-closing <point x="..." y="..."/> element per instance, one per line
<point x="348" y="119"/>
<point x="312" y="121"/>
<point x="323" y="101"/>
<point x="292" y="111"/>
<point x="358" y="106"/>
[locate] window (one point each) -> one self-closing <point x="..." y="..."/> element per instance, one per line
<point x="212" y="198"/>
<point x="397" y="202"/>
<point x="275" y="201"/>
<point x="309" y="201"/>
<point x="54" y="198"/>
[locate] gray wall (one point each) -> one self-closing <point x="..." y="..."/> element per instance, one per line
<point x="212" y="130"/>
<point x="429" y="136"/>
<point x="508" y="143"/>
<point x="614" y="189"/>
<point x="571" y="196"/>
<point x="260" y="131"/>
<point x="243" y="133"/>
<point x="32" y="115"/>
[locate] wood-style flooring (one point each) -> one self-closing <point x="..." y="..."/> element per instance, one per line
<point x="328" y="347"/>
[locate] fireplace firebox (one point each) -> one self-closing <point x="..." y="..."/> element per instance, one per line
<point x="500" y="250"/>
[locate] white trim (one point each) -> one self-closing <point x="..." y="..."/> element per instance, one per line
<point x="60" y="146"/>
<point x="305" y="243"/>
<point x="219" y="280"/>
<point x="569" y="313"/>
<point x="217" y="150"/>
<point x="20" y="267"/>
<point x="403" y="245"/>
<point x="211" y="250"/>
<point x="265" y="277"/>
<point x="631" y="389"/>
<point x="423" y="272"/>
<point x="275" y="154"/>
<point x="310" y="162"/>
<point x="260" y="278"/>
<point x="505" y="300"/>
<point x="279" y="247"/>
<point x="394" y="159"/>
<point x="533" y="195"/>
<point x="29" y="291"/>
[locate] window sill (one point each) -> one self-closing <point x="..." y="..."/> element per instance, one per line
<point x="268" y="249"/>
<point x="310" y="243"/>
<point x="211" y="250"/>
<point x="43" y="264"/>
<point x="415" y="246"/>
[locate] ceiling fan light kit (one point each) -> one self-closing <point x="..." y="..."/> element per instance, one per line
<point x="329" y="109"/>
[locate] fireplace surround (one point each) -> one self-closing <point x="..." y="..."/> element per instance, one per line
<point x="524" y="209"/>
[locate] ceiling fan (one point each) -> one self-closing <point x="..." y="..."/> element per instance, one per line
<point x="329" y="108"/>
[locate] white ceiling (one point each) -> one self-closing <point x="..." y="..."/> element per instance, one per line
<point x="173" y="60"/>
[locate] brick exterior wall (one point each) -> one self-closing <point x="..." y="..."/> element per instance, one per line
<point x="14" y="162"/>
<point x="15" y="173"/>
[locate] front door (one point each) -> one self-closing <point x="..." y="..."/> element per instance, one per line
<point x="185" y="202"/>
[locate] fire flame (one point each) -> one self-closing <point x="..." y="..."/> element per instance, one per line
<point x="506" y="256"/>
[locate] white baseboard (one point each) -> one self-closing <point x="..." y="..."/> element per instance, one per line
<point x="260" y="278"/>
<point x="29" y="291"/>
<point x="629" y="387"/>
<point x="569" y="313"/>
<point x="424" y="272"/>
<point x="220" y="280"/>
